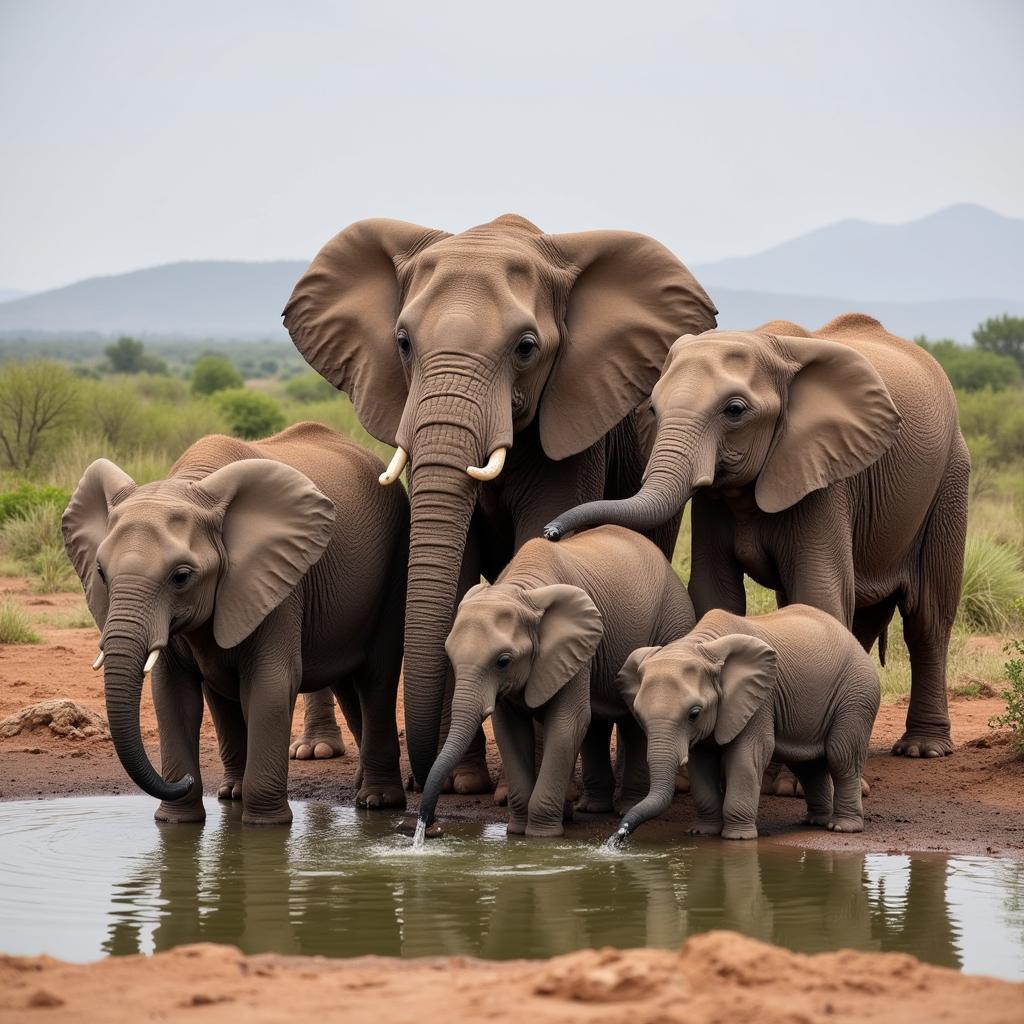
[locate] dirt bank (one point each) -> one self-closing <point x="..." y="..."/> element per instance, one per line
<point x="719" y="976"/>
<point x="972" y="802"/>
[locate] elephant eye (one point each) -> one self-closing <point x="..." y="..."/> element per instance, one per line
<point x="526" y="346"/>
<point x="694" y="714"/>
<point x="181" y="575"/>
<point x="404" y="343"/>
<point x="734" y="408"/>
<point x="102" y="575"/>
<point x="504" y="660"/>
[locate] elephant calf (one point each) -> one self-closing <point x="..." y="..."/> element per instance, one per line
<point x="544" y="644"/>
<point x="256" y="570"/>
<point x="736" y="692"/>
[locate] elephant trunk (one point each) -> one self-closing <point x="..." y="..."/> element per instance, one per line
<point x="467" y="717"/>
<point x="678" y="465"/>
<point x="127" y="640"/>
<point x="663" y="761"/>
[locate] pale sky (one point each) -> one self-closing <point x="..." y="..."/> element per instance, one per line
<point x="133" y="134"/>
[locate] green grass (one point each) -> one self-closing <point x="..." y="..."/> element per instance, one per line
<point x="24" y="537"/>
<point x="77" y="617"/>
<point x="53" y="572"/>
<point x="993" y="580"/>
<point x="14" y="624"/>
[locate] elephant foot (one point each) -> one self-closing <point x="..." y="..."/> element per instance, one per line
<point x="594" y="803"/>
<point x="472" y="778"/>
<point x="784" y="784"/>
<point x="683" y="780"/>
<point x="321" y="744"/>
<point x="407" y="827"/>
<point x="501" y="794"/>
<point x="516" y="827"/>
<point x="838" y="824"/>
<point x="377" y="796"/>
<point x="739" y="832"/>
<point x="912" y="744"/>
<point x="817" y="820"/>
<point x="171" y="814"/>
<point x="229" y="788"/>
<point x="544" y="831"/>
<point x="705" y="828"/>
<point x="281" y="816"/>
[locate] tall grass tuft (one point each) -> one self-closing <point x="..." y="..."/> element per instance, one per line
<point x="24" y="537"/>
<point x="53" y="571"/>
<point x="993" y="580"/>
<point x="14" y="624"/>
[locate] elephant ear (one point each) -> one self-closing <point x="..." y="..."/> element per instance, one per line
<point x="276" y="524"/>
<point x="342" y="312"/>
<point x="477" y="588"/>
<point x="746" y="680"/>
<point x="568" y="633"/>
<point x="631" y="298"/>
<point x="84" y="525"/>
<point x="628" y="680"/>
<point x="838" y="419"/>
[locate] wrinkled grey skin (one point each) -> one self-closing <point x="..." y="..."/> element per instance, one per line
<point x="736" y="692"/>
<point x="256" y="571"/>
<point x="543" y="644"/>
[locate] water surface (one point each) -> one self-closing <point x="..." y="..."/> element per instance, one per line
<point x="83" y="877"/>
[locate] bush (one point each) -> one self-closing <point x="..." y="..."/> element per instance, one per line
<point x="113" y="410"/>
<point x="14" y="624"/>
<point x="972" y="369"/>
<point x="1003" y="335"/>
<point x="993" y="580"/>
<point x="214" y="373"/>
<point x="129" y="355"/>
<point x="27" y="535"/>
<point x="53" y="571"/>
<point x="309" y="387"/>
<point x="38" y="402"/>
<point x="250" y="414"/>
<point x="1013" y="694"/>
<point x="998" y="415"/>
<point x="26" y="496"/>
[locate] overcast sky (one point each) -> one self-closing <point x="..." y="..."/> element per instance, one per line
<point x="133" y="134"/>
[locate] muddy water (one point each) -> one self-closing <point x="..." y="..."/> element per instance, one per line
<point x="83" y="877"/>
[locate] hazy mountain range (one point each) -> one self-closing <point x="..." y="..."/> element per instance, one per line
<point x="940" y="275"/>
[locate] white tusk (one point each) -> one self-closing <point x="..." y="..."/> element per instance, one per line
<point x="98" y="663"/>
<point x="495" y="464"/>
<point x="151" y="661"/>
<point x="395" y="467"/>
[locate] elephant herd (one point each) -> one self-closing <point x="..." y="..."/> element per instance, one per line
<point x="539" y="387"/>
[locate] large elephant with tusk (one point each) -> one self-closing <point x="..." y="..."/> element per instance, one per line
<point x="253" y="572"/>
<point x="507" y="366"/>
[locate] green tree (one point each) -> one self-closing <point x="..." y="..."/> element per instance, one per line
<point x="309" y="387"/>
<point x="38" y="401"/>
<point x="250" y="414"/>
<point x="1003" y="335"/>
<point x="129" y="355"/>
<point x="214" y="373"/>
<point x="970" y="368"/>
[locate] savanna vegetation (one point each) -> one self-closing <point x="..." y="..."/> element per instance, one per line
<point x="142" y="409"/>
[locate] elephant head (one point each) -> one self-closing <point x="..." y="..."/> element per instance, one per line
<point x="510" y="643"/>
<point x="449" y="345"/>
<point x="687" y="692"/>
<point x="787" y="413"/>
<point x="169" y="557"/>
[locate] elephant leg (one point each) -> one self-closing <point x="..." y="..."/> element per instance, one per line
<point x="178" y="700"/>
<point x="636" y="778"/>
<point x="320" y="737"/>
<point x="705" y="766"/>
<point x="745" y="761"/>
<point x="231" y="739"/>
<point x="716" y="577"/>
<point x="513" y="731"/>
<point x="345" y="693"/>
<point x="598" y="776"/>
<point x="928" y="623"/>
<point x="817" y="787"/>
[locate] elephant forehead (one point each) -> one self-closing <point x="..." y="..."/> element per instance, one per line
<point x="147" y="520"/>
<point x="716" y="363"/>
<point x="488" y="619"/>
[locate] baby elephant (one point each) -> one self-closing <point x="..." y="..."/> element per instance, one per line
<point x="256" y="570"/>
<point x="794" y="686"/>
<point x="543" y="644"/>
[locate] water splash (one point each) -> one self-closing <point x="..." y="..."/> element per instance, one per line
<point x="420" y="835"/>
<point x="617" y="841"/>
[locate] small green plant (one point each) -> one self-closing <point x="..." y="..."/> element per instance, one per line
<point x="14" y="624"/>
<point x="26" y="496"/>
<point x="53" y="572"/>
<point x="26" y="536"/>
<point x="1013" y="717"/>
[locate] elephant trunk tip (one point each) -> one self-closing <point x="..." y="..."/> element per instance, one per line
<point x="619" y="839"/>
<point x="554" y="530"/>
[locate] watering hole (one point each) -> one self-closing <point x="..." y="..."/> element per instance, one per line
<point x="84" y="877"/>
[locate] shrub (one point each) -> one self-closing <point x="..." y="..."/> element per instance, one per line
<point x="53" y="571"/>
<point x="1013" y="694"/>
<point x="249" y="413"/>
<point x="214" y="373"/>
<point x="309" y="387"/>
<point x="38" y="402"/>
<point x="993" y="580"/>
<point x="111" y="409"/>
<point x="170" y="429"/>
<point x="14" y="624"/>
<point x="25" y="536"/>
<point x="1003" y="335"/>
<point x="998" y="415"/>
<point x="972" y="369"/>
<point x="26" y="496"/>
<point x="129" y="355"/>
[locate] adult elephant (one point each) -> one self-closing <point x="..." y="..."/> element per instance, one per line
<point x="507" y="367"/>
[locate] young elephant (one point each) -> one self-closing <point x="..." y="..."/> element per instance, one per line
<point x="829" y="467"/>
<point x="256" y="570"/>
<point x="544" y="644"/>
<point x="736" y="692"/>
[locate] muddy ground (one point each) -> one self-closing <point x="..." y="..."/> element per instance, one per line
<point x="971" y="802"/>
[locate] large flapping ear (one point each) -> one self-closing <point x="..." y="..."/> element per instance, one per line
<point x="84" y="525"/>
<point x="276" y="525"/>
<point x="569" y="631"/>
<point x="342" y="314"/>
<point x="628" y="680"/>
<point x="747" y="678"/>
<point x="837" y="420"/>
<point x="630" y="300"/>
